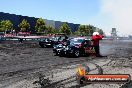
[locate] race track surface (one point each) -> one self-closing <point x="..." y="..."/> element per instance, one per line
<point x="22" y="63"/>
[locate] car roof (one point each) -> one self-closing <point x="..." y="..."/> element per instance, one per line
<point x="80" y="38"/>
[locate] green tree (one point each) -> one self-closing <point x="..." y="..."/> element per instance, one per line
<point x="101" y="31"/>
<point x="65" y="29"/>
<point x="56" y="31"/>
<point x="87" y="30"/>
<point x="91" y="29"/>
<point x="84" y="30"/>
<point x="6" y="25"/>
<point x="24" y="25"/>
<point x="50" y="29"/>
<point x="81" y="29"/>
<point x="40" y="25"/>
<point x="77" y="33"/>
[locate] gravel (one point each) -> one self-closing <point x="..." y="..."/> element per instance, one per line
<point x="20" y="63"/>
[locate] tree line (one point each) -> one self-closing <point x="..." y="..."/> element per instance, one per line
<point x="41" y="27"/>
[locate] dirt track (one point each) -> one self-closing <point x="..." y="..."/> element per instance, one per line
<point x="21" y="63"/>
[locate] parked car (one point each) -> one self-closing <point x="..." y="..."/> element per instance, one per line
<point x="51" y="41"/>
<point x="75" y="47"/>
<point x="46" y="42"/>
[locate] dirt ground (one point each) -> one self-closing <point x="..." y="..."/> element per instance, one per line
<point x="21" y="63"/>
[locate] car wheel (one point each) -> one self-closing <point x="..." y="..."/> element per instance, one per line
<point x="44" y="46"/>
<point x="41" y="46"/>
<point x="76" y="53"/>
<point x="56" y="54"/>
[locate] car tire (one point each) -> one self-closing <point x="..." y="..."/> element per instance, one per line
<point x="41" y="46"/>
<point x="76" y="53"/>
<point x="55" y="54"/>
<point x="44" y="46"/>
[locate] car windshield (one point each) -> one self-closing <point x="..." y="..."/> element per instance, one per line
<point x="54" y="38"/>
<point x="57" y="38"/>
<point x="76" y="41"/>
<point x="46" y="39"/>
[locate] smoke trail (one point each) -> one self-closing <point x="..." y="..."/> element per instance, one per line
<point x="121" y="13"/>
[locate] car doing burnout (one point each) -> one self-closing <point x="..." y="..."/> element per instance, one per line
<point x="75" y="47"/>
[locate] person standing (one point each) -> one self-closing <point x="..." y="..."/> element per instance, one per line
<point x="96" y="38"/>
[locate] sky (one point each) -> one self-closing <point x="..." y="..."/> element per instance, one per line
<point x="104" y="14"/>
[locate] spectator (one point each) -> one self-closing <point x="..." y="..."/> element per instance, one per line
<point x="95" y="38"/>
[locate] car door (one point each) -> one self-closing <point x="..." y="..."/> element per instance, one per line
<point x="87" y="47"/>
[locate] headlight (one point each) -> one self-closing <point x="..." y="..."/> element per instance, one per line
<point x="60" y="46"/>
<point x="68" y="48"/>
<point x="54" y="47"/>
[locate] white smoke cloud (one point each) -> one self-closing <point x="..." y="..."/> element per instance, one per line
<point x="120" y="12"/>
